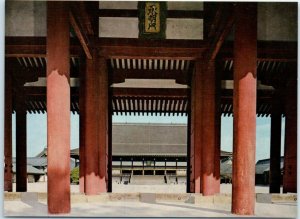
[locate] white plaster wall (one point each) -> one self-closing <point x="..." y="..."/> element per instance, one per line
<point x="277" y="21"/>
<point x="184" y="29"/>
<point x="118" y="4"/>
<point x="118" y="27"/>
<point x="25" y="18"/>
<point x="128" y="28"/>
<point x="185" y="5"/>
<point x="172" y="5"/>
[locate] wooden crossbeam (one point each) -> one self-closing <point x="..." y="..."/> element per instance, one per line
<point x="86" y="14"/>
<point x="220" y="28"/>
<point x="193" y="14"/>
<point x="164" y="49"/>
<point x="34" y="47"/>
<point x="150" y="49"/>
<point x="266" y="51"/>
<point x="81" y="35"/>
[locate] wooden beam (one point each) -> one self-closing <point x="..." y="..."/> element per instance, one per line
<point x="91" y="8"/>
<point x="216" y="9"/>
<point x="189" y="49"/>
<point x="81" y="35"/>
<point x="34" y="47"/>
<point x="193" y="14"/>
<point x="219" y="40"/>
<point x="221" y="30"/>
<point x="85" y="12"/>
<point x="266" y="51"/>
<point x="117" y="13"/>
<point x="141" y="48"/>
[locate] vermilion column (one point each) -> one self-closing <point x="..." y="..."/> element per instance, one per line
<point x="90" y="119"/>
<point x="82" y="126"/>
<point x="21" y="145"/>
<point x="8" y="132"/>
<point x="109" y="175"/>
<point x="217" y="154"/>
<point x="196" y="140"/>
<point x="58" y="107"/>
<point x="209" y="130"/>
<point x="217" y="133"/>
<point x="275" y="171"/>
<point x="290" y="148"/>
<point x="103" y="123"/>
<point x="191" y="137"/>
<point x="188" y="165"/>
<point x="244" y="109"/>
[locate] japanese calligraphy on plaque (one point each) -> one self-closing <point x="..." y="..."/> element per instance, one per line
<point x="152" y="20"/>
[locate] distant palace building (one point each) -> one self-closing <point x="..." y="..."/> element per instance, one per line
<point x="149" y="149"/>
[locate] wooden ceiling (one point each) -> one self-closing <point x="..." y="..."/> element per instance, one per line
<point x="149" y="59"/>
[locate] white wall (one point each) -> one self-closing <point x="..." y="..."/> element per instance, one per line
<point x="25" y="18"/>
<point x="277" y="21"/>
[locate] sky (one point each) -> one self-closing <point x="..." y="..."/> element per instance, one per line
<point x="37" y="131"/>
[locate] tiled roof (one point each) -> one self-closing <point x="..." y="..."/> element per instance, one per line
<point x="31" y="170"/>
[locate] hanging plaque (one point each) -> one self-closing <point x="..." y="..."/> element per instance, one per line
<point x="152" y="20"/>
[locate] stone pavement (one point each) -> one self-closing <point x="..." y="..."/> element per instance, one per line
<point x="171" y="201"/>
<point x="145" y="206"/>
<point x="142" y="209"/>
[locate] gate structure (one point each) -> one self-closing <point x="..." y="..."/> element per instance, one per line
<point x="239" y="71"/>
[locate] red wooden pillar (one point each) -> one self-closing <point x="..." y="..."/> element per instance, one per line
<point x="209" y="130"/>
<point x="103" y="123"/>
<point x="244" y="109"/>
<point x="217" y="132"/>
<point x="196" y="128"/>
<point x="109" y="166"/>
<point x="8" y="132"/>
<point x="188" y="166"/>
<point x="275" y="171"/>
<point x="82" y="127"/>
<point x="191" y="136"/>
<point x="217" y="154"/>
<point x="290" y="148"/>
<point x="21" y="145"/>
<point x="91" y="117"/>
<point x="58" y="107"/>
